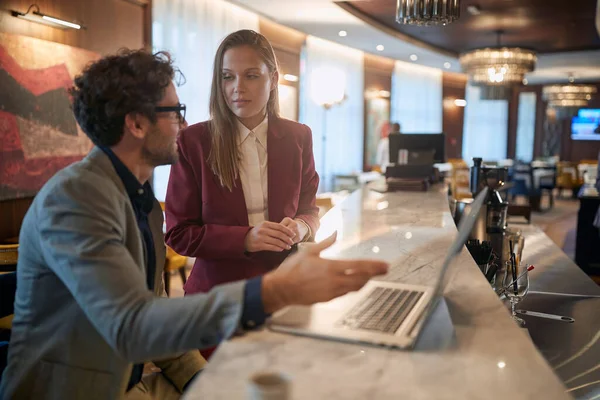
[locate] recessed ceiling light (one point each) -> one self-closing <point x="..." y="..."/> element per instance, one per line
<point x="290" y="78"/>
<point x="460" y="102"/>
<point x="525" y="82"/>
<point x="414" y="57"/>
<point x="447" y="65"/>
<point x="380" y="47"/>
<point x="343" y="33"/>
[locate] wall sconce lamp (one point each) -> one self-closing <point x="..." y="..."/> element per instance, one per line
<point x="33" y="14"/>
<point x="290" y="77"/>
<point x="374" y="94"/>
<point x="450" y="102"/>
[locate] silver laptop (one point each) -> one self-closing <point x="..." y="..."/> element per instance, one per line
<point x="381" y="313"/>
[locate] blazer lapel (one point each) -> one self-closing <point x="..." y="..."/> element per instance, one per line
<point x="276" y="166"/>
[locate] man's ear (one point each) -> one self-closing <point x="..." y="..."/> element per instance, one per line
<point x="137" y="124"/>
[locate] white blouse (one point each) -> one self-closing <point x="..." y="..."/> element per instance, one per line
<point x="253" y="170"/>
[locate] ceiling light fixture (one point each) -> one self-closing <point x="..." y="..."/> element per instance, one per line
<point x="380" y="47"/>
<point x="427" y="12"/>
<point x="497" y="68"/>
<point x="343" y="33"/>
<point x="413" y="57"/>
<point x="460" y="103"/>
<point x="447" y="65"/>
<point x="566" y="99"/>
<point x="33" y="14"/>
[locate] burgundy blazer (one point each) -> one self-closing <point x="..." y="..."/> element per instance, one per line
<point x="207" y="221"/>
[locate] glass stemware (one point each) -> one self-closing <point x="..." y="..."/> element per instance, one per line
<point x="516" y="290"/>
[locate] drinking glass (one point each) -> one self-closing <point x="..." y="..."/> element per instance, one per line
<point x="516" y="290"/>
<point x="518" y="241"/>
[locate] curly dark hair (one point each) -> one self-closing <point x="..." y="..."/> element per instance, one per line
<point x="116" y="85"/>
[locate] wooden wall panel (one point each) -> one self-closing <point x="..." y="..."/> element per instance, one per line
<point x="287" y="44"/>
<point x="453" y="87"/>
<point x="282" y="37"/>
<point x="11" y="216"/>
<point x="111" y="24"/>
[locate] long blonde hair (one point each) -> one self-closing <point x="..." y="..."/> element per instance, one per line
<point x="224" y="155"/>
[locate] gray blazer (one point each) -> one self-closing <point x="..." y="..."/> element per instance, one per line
<point x="83" y="312"/>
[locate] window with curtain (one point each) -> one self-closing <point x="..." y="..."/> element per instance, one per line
<point x="337" y="131"/>
<point x="416" y="102"/>
<point x="526" y="126"/>
<point x="485" y="127"/>
<point x="191" y="30"/>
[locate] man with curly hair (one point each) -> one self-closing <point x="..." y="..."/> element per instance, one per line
<point x="89" y="309"/>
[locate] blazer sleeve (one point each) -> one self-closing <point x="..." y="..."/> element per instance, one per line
<point x="186" y="233"/>
<point x="307" y="204"/>
<point x="82" y="241"/>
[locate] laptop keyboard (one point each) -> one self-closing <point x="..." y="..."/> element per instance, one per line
<point x="382" y="310"/>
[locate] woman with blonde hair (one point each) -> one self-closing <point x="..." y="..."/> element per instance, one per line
<point x="243" y="191"/>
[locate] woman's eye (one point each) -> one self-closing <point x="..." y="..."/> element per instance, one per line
<point x="252" y="76"/>
<point x="226" y="77"/>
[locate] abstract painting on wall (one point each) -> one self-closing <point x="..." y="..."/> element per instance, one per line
<point x="378" y="116"/>
<point x="38" y="132"/>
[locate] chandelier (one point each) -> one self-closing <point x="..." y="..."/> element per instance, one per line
<point x="571" y="95"/>
<point x="498" y="66"/>
<point x="427" y="12"/>
<point x="566" y="99"/>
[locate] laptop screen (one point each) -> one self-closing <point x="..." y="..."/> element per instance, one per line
<point x="464" y="229"/>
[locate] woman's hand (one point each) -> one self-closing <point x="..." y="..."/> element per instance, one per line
<point x="269" y="236"/>
<point x="299" y="228"/>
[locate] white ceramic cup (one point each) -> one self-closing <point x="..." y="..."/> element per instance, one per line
<point x="269" y="385"/>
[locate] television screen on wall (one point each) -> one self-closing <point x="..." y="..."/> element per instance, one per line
<point x="586" y="125"/>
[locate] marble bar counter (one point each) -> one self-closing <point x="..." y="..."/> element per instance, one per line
<point x="490" y="357"/>
<point x="559" y="288"/>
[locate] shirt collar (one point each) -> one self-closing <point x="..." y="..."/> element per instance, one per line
<point x="260" y="132"/>
<point x="140" y="195"/>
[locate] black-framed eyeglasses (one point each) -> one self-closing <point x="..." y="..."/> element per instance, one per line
<point x="179" y="109"/>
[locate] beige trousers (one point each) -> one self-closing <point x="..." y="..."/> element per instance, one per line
<point x="153" y="387"/>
